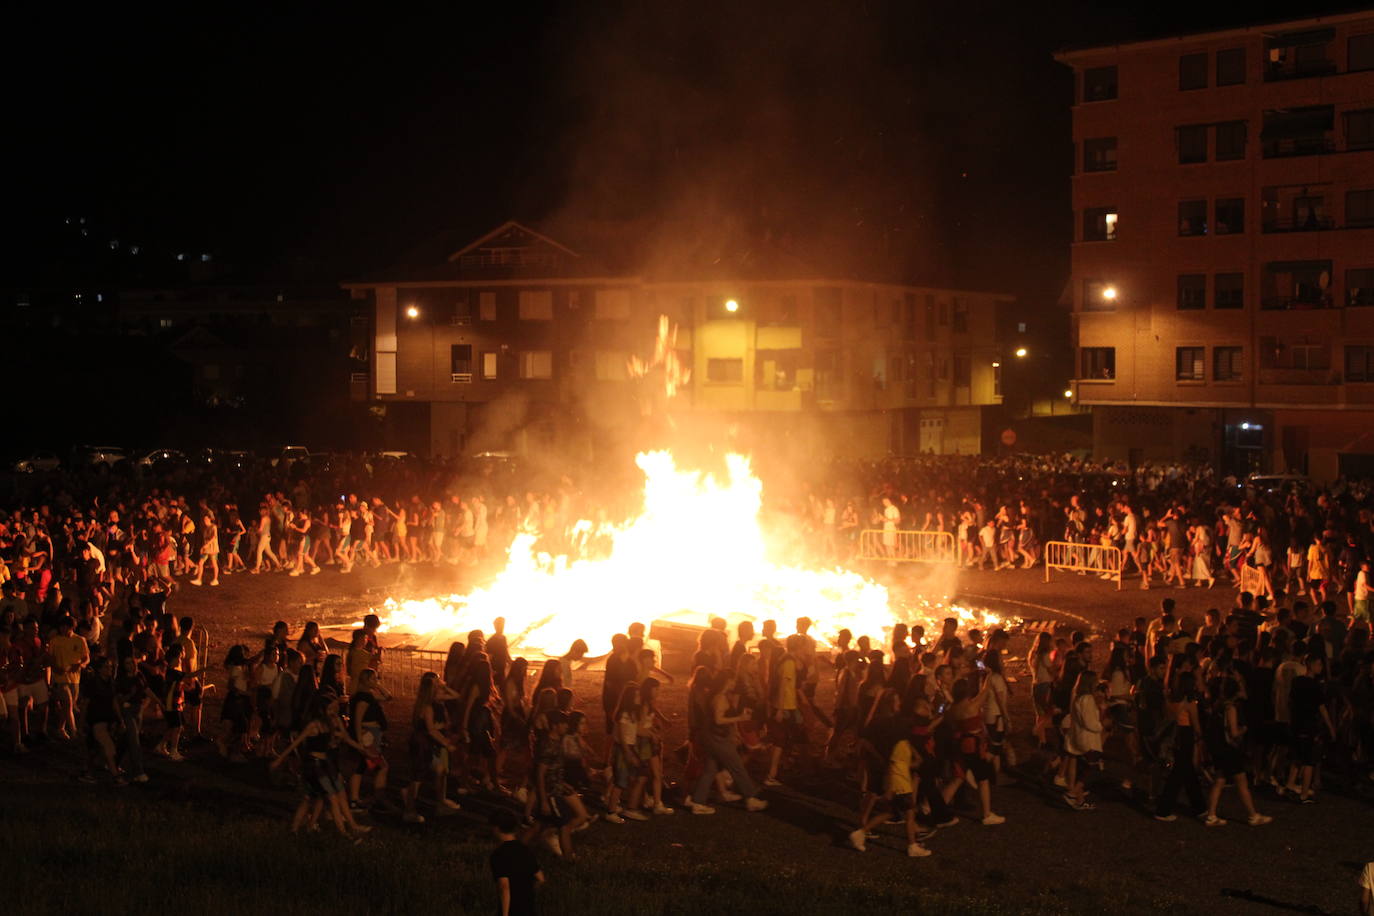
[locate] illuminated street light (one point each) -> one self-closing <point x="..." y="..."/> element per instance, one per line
<point x="1109" y="293"/>
<point x="412" y="312"/>
<point x="731" y="306"/>
<point x="1021" y="352"/>
<point x="1068" y="392"/>
<point x="996" y="365"/>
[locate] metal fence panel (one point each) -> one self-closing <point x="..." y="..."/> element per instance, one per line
<point x="907" y="546"/>
<point x="1092" y="559"/>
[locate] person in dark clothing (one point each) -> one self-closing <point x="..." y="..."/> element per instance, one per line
<point x="514" y="868"/>
<point x="1183" y="714"/>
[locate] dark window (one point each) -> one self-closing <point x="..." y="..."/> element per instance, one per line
<point x="1359" y="53"/>
<point x="1192" y="71"/>
<point x="1192" y="217"/>
<point x="908" y="316"/>
<point x="1231" y="67"/>
<point x="1296" y="55"/>
<point x="1099" y="224"/>
<point x="1309" y="356"/>
<point x="1359" y="129"/>
<point x="776" y="370"/>
<point x="1296" y="285"/>
<point x="1359" y="286"/>
<point x="1226" y="364"/>
<point x="963" y="370"/>
<point x="1097" y="362"/>
<point x="828" y="311"/>
<point x="1228" y="291"/>
<point x="1192" y="291"/>
<point x="460" y="360"/>
<point x="827" y="375"/>
<point x="1188" y="364"/>
<point x="1192" y="144"/>
<point x="725" y="370"/>
<point x="944" y="314"/>
<point x="1230" y="140"/>
<point x="462" y="310"/>
<point x="1099" y="84"/>
<point x="930" y="316"/>
<point x="960" y="315"/>
<point x="1230" y="216"/>
<point x="1095" y="298"/>
<point x="1359" y="208"/>
<point x="1099" y="155"/>
<point x="1298" y="131"/>
<point x="1359" y="364"/>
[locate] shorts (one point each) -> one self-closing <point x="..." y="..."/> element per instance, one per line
<point x="980" y="768"/>
<point x="479" y="733"/>
<point x="1092" y="758"/>
<point x="37" y="691"/>
<point x="901" y="803"/>
<point x="1307" y="749"/>
<point x="1228" y="761"/>
<point x="1042" y="694"/>
<point x="624" y="770"/>
<point x="1122" y="716"/>
<point x="1361" y="609"/>
<point x="321" y="778"/>
<point x="788" y="729"/>
<point x="172" y="718"/>
<point x="65" y="690"/>
<point x="262" y="703"/>
<point x="195" y="695"/>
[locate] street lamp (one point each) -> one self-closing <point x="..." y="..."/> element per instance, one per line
<point x="412" y="312"/>
<point x="1068" y="392"/>
<point x="731" y="306"/>
<point x="1021" y="352"/>
<point x="1109" y="293"/>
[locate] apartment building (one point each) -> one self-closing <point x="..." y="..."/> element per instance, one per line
<point x="520" y="342"/>
<point x="1223" y="257"/>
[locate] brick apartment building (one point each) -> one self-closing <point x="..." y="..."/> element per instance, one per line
<point x="520" y="342"/>
<point x="1223" y="258"/>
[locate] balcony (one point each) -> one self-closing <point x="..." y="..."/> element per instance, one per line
<point x="358" y="386"/>
<point x="1302" y="302"/>
<point x="460" y="378"/>
<point x="1287" y="147"/>
<point x="1295" y="69"/>
<point x="1310" y="223"/>
<point x="1299" y="377"/>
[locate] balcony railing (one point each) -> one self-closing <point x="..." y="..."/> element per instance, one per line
<point x="1298" y="70"/>
<point x="1306" y="224"/>
<point x="461" y="378"/>
<point x="358" y="378"/>
<point x="1298" y="146"/>
<point x="1299" y="377"/>
<point x="1304" y="302"/>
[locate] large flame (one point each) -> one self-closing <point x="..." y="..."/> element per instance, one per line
<point x="696" y="550"/>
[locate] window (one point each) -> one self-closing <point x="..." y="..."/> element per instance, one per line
<point x="776" y="370"/>
<point x="1359" y="286"/>
<point x="486" y="306"/>
<point x="1298" y="131"/>
<point x="462" y="310"/>
<point x="1188" y="364"/>
<point x="1192" y="217"/>
<point x="489" y="364"/>
<point x="1230" y="213"/>
<point x="1309" y="356"/>
<point x="1296" y="208"/>
<point x="610" y="366"/>
<point x="1296" y="55"/>
<point x="1231" y="67"/>
<point x="963" y="370"/>
<point x="1228" y="291"/>
<point x="536" y="364"/>
<point x="1359" y="208"/>
<point x="460" y="362"/>
<point x="1359" y="129"/>
<point x="1359" y="364"/>
<point x="944" y="314"/>
<point x="908" y="316"/>
<point x="997" y="380"/>
<point x="1359" y="53"/>
<point x="1099" y="224"/>
<point x="1230" y="141"/>
<point x="1192" y="71"/>
<point x="1192" y="291"/>
<point x="1192" y="143"/>
<point x="612" y="304"/>
<point x="930" y="316"/>
<point x="1097" y="362"/>
<point x="829" y="310"/>
<point x="1099" y="155"/>
<point x="1226" y="364"/>
<point x="1099" y="84"/>
<point x="960" y="315"/>
<point x="725" y="370"/>
<point x="1095" y="298"/>
<point x="1296" y="285"/>
<point x="827" y="374"/>
<point x="536" y="305"/>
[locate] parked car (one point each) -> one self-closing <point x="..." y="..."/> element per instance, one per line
<point x="97" y="456"/>
<point x="37" y="462"/>
<point x="161" y="459"/>
<point x="1277" y="483"/>
<point x="290" y="454"/>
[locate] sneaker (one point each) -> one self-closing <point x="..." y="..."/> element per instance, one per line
<point x="771" y="783"/>
<point x="1307" y="800"/>
<point x="413" y="817"/>
<point x="315" y="572"/>
<point x="450" y="805"/>
<point x="214" y="582"/>
<point x="634" y="815"/>
<point x="917" y="851"/>
<point x="662" y="809"/>
<point x="702" y="809"/>
<point x="727" y="795"/>
<point x="1259" y="820"/>
<point x="1166" y="818"/>
<point x="615" y="818"/>
<point x="755" y="804"/>
<point x="856" y="839"/>
<point x="1212" y="820"/>
<point x="992" y="820"/>
<point x="175" y="756"/>
<point x="195" y="582"/>
<point x="1081" y="804"/>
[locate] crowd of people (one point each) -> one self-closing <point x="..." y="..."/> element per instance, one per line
<point x="1272" y="689"/>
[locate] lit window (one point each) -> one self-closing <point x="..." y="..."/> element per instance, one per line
<point x="536" y="305"/>
<point x="205" y="257"/>
<point x="537" y="364"/>
<point x="725" y="370"/>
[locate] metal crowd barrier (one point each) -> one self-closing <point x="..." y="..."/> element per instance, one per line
<point x="1250" y="579"/>
<point x="1085" y="558"/>
<point x="907" y="546"/>
<point x="402" y="667"/>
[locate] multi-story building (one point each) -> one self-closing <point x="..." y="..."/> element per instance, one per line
<point x="1223" y="254"/>
<point x="518" y="341"/>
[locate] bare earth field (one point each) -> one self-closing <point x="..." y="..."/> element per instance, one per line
<point x="209" y="836"/>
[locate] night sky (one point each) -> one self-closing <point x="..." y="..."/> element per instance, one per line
<point x="926" y="139"/>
